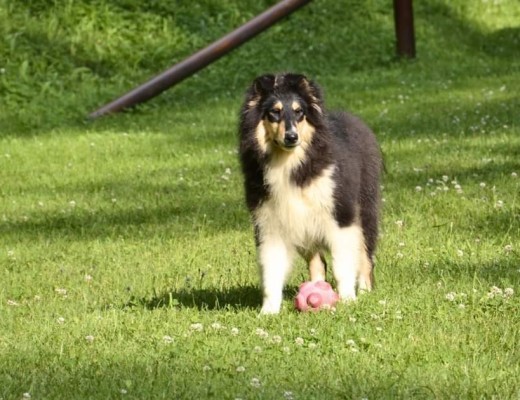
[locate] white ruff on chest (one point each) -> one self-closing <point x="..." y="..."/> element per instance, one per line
<point x="300" y="216"/>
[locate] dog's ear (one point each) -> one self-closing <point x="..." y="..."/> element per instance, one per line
<point x="307" y="89"/>
<point x="264" y="84"/>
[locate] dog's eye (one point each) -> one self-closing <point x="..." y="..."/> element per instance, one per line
<point x="274" y="114"/>
<point x="299" y="113"/>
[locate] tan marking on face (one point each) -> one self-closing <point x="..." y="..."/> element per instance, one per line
<point x="261" y="137"/>
<point x="295" y="105"/>
<point x="274" y="131"/>
<point x="305" y="131"/>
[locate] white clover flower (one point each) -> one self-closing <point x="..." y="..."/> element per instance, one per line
<point x="257" y="349"/>
<point x="89" y="338"/>
<point x="255" y="382"/>
<point x="123" y="391"/>
<point x="241" y="368"/>
<point x="399" y="223"/>
<point x="312" y="345"/>
<point x="514" y="175"/>
<point x="460" y="253"/>
<point x="509" y="292"/>
<point x="234" y="331"/>
<point x="12" y="303"/>
<point x="197" y="327"/>
<point x="299" y="341"/>
<point x="451" y="296"/>
<point x="216" y="325"/>
<point x="288" y="395"/>
<point x="276" y="339"/>
<point x="508" y="248"/>
<point x="167" y="339"/>
<point x="26" y="395"/>
<point x="418" y="189"/>
<point x="60" y="320"/>
<point x="350" y="342"/>
<point x="482" y="185"/>
<point x="496" y="290"/>
<point x="352" y="319"/>
<point x="263" y="334"/>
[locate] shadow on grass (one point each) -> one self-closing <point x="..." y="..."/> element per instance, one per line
<point x="241" y="297"/>
<point x="235" y="298"/>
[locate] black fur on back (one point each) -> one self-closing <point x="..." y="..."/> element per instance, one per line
<point x="340" y="139"/>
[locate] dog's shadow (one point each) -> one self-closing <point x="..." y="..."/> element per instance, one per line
<point x="243" y="297"/>
<point x="236" y="298"/>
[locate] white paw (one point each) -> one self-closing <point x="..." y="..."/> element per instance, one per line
<point x="347" y="296"/>
<point x="269" y="308"/>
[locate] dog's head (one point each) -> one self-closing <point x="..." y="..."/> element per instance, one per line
<point x="289" y="108"/>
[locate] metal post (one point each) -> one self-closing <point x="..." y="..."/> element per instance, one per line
<point x="404" y="28"/>
<point x="202" y="58"/>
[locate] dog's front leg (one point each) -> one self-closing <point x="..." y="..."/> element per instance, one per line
<point x="275" y="264"/>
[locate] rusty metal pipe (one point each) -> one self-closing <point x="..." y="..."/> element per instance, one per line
<point x="201" y="58"/>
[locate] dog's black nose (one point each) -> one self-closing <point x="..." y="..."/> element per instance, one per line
<point x="290" y="138"/>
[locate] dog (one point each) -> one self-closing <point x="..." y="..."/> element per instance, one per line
<point x="311" y="182"/>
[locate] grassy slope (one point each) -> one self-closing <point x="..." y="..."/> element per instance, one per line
<point x="139" y="217"/>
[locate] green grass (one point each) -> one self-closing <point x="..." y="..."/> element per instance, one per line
<point x="127" y="260"/>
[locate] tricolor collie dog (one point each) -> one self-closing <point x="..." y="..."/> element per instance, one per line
<point x="311" y="184"/>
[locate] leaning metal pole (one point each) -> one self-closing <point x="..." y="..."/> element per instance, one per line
<point x="201" y="58"/>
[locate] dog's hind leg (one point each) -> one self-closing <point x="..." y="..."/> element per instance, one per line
<point x="275" y="264"/>
<point x="346" y="248"/>
<point x="317" y="267"/>
<point x="366" y="272"/>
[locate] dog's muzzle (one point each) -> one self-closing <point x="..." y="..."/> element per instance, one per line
<point x="291" y="139"/>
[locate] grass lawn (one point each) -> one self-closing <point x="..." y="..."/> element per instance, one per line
<point x="127" y="259"/>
